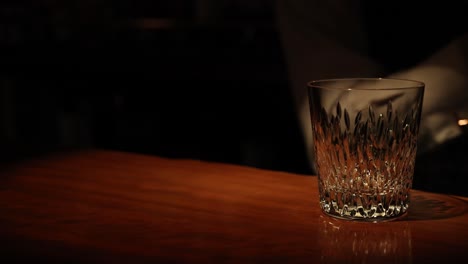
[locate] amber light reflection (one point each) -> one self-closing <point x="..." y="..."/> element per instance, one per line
<point x="364" y="242"/>
<point x="463" y="122"/>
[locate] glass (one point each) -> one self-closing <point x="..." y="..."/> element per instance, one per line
<point x="365" y="140"/>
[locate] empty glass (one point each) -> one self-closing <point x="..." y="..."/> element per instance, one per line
<point x="365" y="134"/>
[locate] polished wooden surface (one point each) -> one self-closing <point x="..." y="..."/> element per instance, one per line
<point x="101" y="206"/>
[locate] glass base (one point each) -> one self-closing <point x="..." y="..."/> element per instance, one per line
<point x="365" y="207"/>
<point x="367" y="219"/>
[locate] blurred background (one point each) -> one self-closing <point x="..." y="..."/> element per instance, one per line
<point x="201" y="79"/>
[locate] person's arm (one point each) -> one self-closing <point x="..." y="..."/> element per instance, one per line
<point x="446" y="77"/>
<point x="321" y="39"/>
<point x="326" y="39"/>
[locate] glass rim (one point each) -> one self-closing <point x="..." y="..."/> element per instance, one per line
<point x="405" y="84"/>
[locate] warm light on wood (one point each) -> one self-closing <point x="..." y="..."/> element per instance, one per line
<point x="111" y="207"/>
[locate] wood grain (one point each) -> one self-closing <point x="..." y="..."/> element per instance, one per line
<point x="102" y="206"/>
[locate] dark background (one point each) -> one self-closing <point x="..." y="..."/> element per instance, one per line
<point x="184" y="78"/>
<point x="193" y="79"/>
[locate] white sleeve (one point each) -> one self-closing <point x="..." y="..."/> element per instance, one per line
<point x="446" y="96"/>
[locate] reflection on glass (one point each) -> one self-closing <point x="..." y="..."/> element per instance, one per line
<point x="364" y="243"/>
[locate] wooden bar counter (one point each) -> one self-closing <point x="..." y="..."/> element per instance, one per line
<point x="99" y="206"/>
